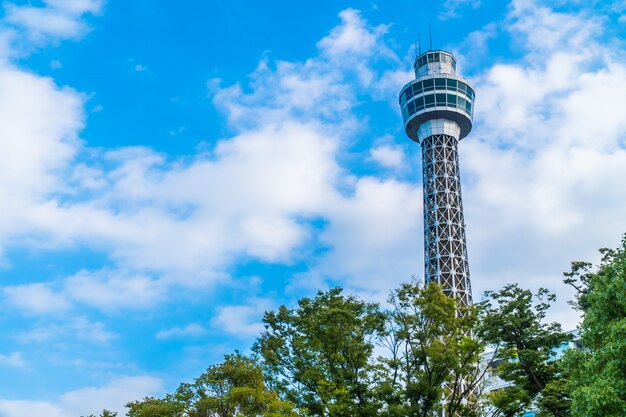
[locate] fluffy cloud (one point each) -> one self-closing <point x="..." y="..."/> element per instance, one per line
<point x="14" y="359"/>
<point x="388" y="156"/>
<point x="112" y="396"/>
<point x="36" y="298"/>
<point x="259" y="187"/>
<point x="242" y="320"/>
<point x="451" y="7"/>
<point x="76" y="328"/>
<point x="23" y="408"/>
<point x="57" y="20"/>
<point x="547" y="156"/>
<point x="190" y="330"/>
<point x="86" y="401"/>
<point x="374" y="235"/>
<point x="110" y="290"/>
<point x="352" y="37"/>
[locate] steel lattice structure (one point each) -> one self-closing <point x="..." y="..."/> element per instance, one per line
<point x="437" y="109"/>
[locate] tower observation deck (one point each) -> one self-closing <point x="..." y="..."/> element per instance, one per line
<point x="437" y="109"/>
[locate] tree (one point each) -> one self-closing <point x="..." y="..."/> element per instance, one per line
<point x="434" y="363"/>
<point x="598" y="373"/>
<point x="319" y="355"/>
<point x="105" y="413"/>
<point x="525" y="351"/>
<point x="233" y="388"/>
<point x="155" y="407"/>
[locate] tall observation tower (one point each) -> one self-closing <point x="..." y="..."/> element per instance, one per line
<point x="437" y="110"/>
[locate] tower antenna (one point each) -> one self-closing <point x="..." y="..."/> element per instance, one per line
<point x="430" y="32"/>
<point x="419" y="44"/>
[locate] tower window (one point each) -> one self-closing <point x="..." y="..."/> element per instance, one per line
<point x="433" y="57"/>
<point x="411" y="107"/>
<point x="409" y="93"/>
<point x="419" y="103"/>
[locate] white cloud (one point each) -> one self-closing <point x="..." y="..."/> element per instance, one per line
<point x="545" y="162"/>
<point x="389" y="156"/>
<point x="22" y="408"/>
<point x="473" y="51"/>
<point x="242" y="320"/>
<point x="374" y="235"/>
<point x="85" y="330"/>
<point x="110" y="290"/>
<point x="542" y="29"/>
<point x="192" y="329"/>
<point x="451" y="7"/>
<point x="38" y="123"/>
<point x="113" y="396"/>
<point x="267" y="179"/>
<point x="57" y="20"/>
<point x="352" y="36"/>
<point x="13" y="359"/>
<point x="77" y="7"/>
<point x="173" y="222"/>
<point x="78" y="328"/>
<point x="140" y="68"/>
<point x="36" y="298"/>
<point x="85" y="401"/>
<point x="43" y="22"/>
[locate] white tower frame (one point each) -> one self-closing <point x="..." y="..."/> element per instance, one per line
<point x="437" y="109"/>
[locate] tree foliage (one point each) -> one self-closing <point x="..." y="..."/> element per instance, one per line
<point x="105" y="413"/>
<point x="598" y="373"/>
<point x="435" y="359"/>
<point x="233" y="388"/>
<point x="319" y="355"/>
<point x="319" y="358"/>
<point x="512" y="320"/>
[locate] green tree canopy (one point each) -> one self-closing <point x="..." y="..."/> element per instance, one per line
<point x="434" y="364"/>
<point x="320" y="354"/>
<point x="598" y="373"/>
<point x="512" y="320"/>
<point x="233" y="388"/>
<point x="105" y="413"/>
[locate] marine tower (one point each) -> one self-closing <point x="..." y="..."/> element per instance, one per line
<point x="437" y="110"/>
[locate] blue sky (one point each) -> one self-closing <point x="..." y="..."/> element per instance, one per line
<point x="170" y="170"/>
